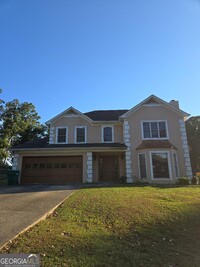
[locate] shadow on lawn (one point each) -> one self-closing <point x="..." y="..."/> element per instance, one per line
<point x="173" y="244"/>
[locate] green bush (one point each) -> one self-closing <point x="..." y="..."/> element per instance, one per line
<point x="183" y="181"/>
<point x="195" y="180"/>
<point x="123" y="179"/>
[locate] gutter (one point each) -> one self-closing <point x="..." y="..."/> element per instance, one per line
<point x="70" y="149"/>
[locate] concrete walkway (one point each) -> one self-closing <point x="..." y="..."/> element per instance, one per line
<point x="21" y="206"/>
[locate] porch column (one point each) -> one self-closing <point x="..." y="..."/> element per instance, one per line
<point x="185" y="149"/>
<point x="128" y="156"/>
<point x="89" y="168"/>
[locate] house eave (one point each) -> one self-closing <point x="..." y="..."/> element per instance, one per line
<point x="161" y="103"/>
<point x="68" y="150"/>
<point x="117" y="122"/>
<point x="49" y="122"/>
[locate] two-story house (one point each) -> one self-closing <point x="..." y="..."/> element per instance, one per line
<point x="146" y="143"/>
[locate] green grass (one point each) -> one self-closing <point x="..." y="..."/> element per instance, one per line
<point x="119" y="226"/>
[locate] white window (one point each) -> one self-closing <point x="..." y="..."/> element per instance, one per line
<point x="80" y="134"/>
<point x="160" y="165"/>
<point x="107" y="134"/>
<point x="61" y="135"/>
<point x="142" y="166"/>
<point x="154" y="130"/>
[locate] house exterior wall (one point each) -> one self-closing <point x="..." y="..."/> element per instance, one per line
<point x="90" y="171"/>
<point x="94" y="131"/>
<point x="155" y="112"/>
<point x="127" y="130"/>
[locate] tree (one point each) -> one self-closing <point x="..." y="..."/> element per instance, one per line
<point x="1" y="103"/>
<point x="193" y="135"/>
<point x="19" y="123"/>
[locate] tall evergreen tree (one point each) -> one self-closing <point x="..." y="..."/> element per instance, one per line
<point x="193" y="135"/>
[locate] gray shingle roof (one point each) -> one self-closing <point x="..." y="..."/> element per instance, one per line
<point x="105" y="115"/>
<point x="43" y="143"/>
<point x="155" y="144"/>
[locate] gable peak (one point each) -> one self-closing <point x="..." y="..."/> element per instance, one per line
<point x="151" y="100"/>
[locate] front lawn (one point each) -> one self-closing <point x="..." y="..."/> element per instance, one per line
<point x="119" y="226"/>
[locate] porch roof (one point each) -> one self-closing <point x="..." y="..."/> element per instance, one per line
<point x="42" y="143"/>
<point x="155" y="144"/>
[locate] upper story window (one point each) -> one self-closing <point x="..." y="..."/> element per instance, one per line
<point x="80" y="134"/>
<point x="107" y="134"/>
<point x="154" y="130"/>
<point x="61" y="135"/>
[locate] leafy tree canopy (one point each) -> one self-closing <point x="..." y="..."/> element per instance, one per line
<point x="193" y="135"/>
<point x="19" y="122"/>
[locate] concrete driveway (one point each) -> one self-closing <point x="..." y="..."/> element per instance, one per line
<point x="21" y="206"/>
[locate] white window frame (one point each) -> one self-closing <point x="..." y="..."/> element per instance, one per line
<point x="102" y="133"/>
<point x="155" y="138"/>
<point x="169" y="165"/>
<point x="75" y="135"/>
<point x="145" y="165"/>
<point x="61" y="127"/>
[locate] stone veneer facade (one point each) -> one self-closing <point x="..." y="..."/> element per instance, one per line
<point x="89" y="168"/>
<point x="51" y="135"/>
<point x="15" y="165"/>
<point x="128" y="153"/>
<point x="185" y="149"/>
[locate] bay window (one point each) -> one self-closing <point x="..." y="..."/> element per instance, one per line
<point x="160" y="167"/>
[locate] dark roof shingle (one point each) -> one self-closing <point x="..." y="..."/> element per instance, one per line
<point x="105" y="115"/>
<point x="43" y="143"/>
<point x="155" y="144"/>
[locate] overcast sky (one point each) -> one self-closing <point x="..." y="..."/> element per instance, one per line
<point x="99" y="54"/>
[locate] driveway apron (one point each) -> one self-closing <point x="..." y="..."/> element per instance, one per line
<point x="21" y="206"/>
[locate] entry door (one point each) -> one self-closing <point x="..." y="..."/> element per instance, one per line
<point x="109" y="168"/>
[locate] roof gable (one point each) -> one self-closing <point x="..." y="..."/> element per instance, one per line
<point x="70" y="112"/>
<point x="153" y="100"/>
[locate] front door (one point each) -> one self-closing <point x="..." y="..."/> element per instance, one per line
<point x="109" y="168"/>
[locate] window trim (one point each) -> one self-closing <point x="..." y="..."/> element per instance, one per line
<point x="169" y="165"/>
<point x="155" y="138"/>
<point x="102" y="133"/>
<point x="62" y="127"/>
<point x="145" y="165"/>
<point x="75" y="134"/>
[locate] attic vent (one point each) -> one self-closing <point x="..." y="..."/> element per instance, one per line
<point x="71" y="112"/>
<point x="151" y="101"/>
